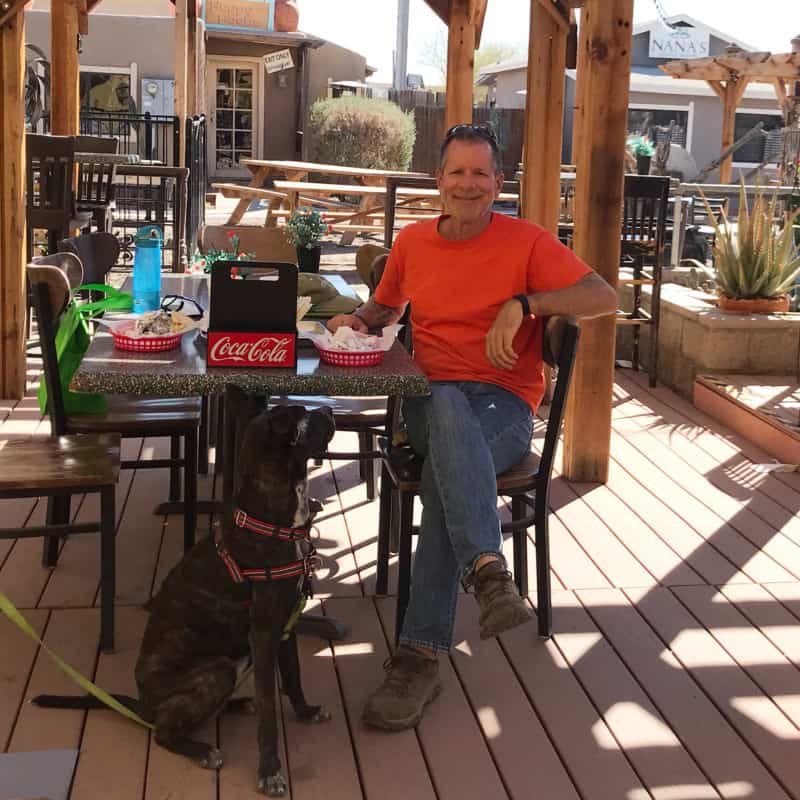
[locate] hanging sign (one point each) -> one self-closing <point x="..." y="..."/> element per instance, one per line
<point x="679" y="42"/>
<point x="278" y="61"/>
<point x="240" y="15"/>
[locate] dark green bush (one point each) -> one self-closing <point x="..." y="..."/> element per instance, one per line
<point x="361" y="132"/>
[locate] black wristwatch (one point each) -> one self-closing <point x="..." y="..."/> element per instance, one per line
<point x="526" y="306"/>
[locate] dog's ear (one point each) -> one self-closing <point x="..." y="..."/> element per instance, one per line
<point x="283" y="421"/>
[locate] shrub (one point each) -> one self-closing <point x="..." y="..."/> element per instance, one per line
<point x="361" y="132"/>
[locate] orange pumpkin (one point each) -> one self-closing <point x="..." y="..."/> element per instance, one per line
<point x="287" y="15"/>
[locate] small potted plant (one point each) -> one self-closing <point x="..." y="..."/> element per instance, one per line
<point x="202" y="262"/>
<point x="304" y="229"/>
<point x="643" y="150"/>
<point x="756" y="261"/>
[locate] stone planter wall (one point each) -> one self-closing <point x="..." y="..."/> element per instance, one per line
<point x="695" y="337"/>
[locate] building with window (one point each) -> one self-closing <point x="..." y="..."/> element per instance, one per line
<point x="656" y="99"/>
<point x="259" y="85"/>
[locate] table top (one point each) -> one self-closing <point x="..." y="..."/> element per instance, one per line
<point x="184" y="373"/>
<point x="254" y="164"/>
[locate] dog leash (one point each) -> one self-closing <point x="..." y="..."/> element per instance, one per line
<point x="13" y="614"/>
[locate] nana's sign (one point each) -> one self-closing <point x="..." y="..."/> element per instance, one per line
<point x="679" y="42"/>
<point x="240" y="15"/>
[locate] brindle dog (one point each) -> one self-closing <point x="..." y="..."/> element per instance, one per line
<point x="204" y="628"/>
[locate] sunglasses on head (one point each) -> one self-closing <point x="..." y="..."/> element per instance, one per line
<point x="176" y="302"/>
<point x="485" y="131"/>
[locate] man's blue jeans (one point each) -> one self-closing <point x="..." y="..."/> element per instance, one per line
<point x="468" y="432"/>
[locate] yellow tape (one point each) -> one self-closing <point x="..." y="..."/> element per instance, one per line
<point x="11" y="611"/>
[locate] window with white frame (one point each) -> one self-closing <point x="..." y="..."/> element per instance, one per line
<point x="761" y="148"/>
<point x="107" y="89"/>
<point x="654" y="123"/>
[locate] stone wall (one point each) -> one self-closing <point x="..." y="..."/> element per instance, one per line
<point x="695" y="337"/>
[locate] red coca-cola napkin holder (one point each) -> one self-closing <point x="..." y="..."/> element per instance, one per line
<point x="253" y="316"/>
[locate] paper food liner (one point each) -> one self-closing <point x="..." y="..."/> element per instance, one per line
<point x="347" y="340"/>
<point x="124" y="325"/>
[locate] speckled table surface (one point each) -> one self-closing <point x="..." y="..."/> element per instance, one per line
<point x="184" y="373"/>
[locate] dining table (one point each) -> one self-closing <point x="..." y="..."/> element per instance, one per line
<point x="183" y="372"/>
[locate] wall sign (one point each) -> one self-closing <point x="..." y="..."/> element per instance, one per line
<point x="240" y="15"/>
<point x="680" y="42"/>
<point x="278" y="61"/>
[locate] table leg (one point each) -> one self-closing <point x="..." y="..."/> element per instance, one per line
<point x="256" y="182"/>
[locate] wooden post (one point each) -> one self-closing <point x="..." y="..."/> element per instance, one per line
<point x="64" y="67"/>
<point x="12" y="207"/>
<point x="732" y="94"/>
<point x="460" y="63"/>
<point x="181" y="73"/>
<point x="581" y="81"/>
<point x="541" y="185"/>
<point x="599" y="182"/>
<point x="201" y="67"/>
<point x="191" y="58"/>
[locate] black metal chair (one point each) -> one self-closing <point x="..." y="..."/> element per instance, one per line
<point x="527" y="485"/>
<point x="56" y="467"/>
<point x="131" y="417"/>
<point x="644" y="219"/>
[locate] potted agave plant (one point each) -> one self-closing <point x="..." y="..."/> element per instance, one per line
<point x="757" y="261"/>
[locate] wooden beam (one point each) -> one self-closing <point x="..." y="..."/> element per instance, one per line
<point x="581" y="82"/>
<point x="781" y="93"/>
<point x="541" y="184"/>
<point x="599" y="182"/>
<point x="200" y="84"/>
<point x="554" y="12"/>
<point x="719" y="89"/>
<point x="12" y="206"/>
<point x="9" y="10"/>
<point x="733" y="94"/>
<point x="460" y="63"/>
<point x="64" y="67"/>
<point x="181" y="71"/>
<point x="191" y="59"/>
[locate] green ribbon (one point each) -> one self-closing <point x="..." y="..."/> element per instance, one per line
<point x="11" y="611"/>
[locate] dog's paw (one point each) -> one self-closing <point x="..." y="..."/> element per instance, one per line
<point x="314" y="714"/>
<point x="272" y="785"/>
<point x="212" y="760"/>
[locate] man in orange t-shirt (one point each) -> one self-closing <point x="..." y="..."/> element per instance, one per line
<point x="479" y="284"/>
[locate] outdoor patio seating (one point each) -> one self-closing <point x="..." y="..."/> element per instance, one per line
<point x="177" y="418"/>
<point x="526" y="485"/>
<point x="50" y="199"/>
<point x="644" y="217"/>
<point x="57" y="467"/>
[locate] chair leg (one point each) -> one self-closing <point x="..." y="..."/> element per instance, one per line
<point x="362" y="448"/>
<point x="202" y="453"/>
<point x="190" y="495"/>
<point x="384" y="523"/>
<point x="404" y="561"/>
<point x="174" y="470"/>
<point x="107" y="567"/>
<point x="369" y="466"/>
<point x="543" y="595"/>
<point x="58" y="512"/>
<point x="520" y="539"/>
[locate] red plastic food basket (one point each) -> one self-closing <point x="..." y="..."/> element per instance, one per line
<point x="144" y="344"/>
<point x="351" y="358"/>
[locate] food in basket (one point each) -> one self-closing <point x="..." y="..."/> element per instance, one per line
<point x="160" y="323"/>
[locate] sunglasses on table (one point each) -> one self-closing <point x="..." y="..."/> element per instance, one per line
<point x="177" y="302"/>
<point x="485" y="131"/>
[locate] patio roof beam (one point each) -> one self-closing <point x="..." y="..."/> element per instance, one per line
<point x="547" y="52"/>
<point x="605" y="64"/>
<point x="557" y="11"/>
<point x="64" y="67"/>
<point x="733" y="95"/>
<point x="9" y="9"/>
<point x="12" y="204"/>
<point x="461" y="43"/>
<point x="181" y="91"/>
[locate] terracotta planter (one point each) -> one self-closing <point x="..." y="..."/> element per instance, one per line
<point x="753" y="305"/>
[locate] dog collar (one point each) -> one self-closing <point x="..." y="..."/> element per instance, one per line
<point x="241" y="519"/>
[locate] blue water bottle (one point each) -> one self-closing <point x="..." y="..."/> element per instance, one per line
<point x="147" y="270"/>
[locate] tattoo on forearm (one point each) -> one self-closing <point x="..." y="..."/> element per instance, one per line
<point x="378" y="316"/>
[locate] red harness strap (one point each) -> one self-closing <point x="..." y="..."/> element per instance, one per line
<point x="242" y="520"/>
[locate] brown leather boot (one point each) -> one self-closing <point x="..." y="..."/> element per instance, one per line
<point x="501" y="606"/>
<point x="412" y="681"/>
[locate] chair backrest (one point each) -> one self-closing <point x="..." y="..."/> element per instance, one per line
<point x="51" y="294"/>
<point x="50" y="168"/>
<point x="97" y="251"/>
<point x="267" y="244"/>
<point x="96" y="144"/>
<point x="644" y="211"/>
<point x="559" y="347"/>
<point x="69" y="263"/>
<point x="367" y="263"/>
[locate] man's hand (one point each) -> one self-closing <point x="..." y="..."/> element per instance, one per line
<point x="350" y="320"/>
<point x="498" y="341"/>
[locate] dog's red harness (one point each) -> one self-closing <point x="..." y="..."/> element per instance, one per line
<point x="294" y="569"/>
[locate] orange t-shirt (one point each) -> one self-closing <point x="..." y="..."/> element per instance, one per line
<point x="456" y="289"/>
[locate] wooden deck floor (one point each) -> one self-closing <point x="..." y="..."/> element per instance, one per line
<point x="673" y="673"/>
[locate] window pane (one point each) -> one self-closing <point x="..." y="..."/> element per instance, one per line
<point x="224" y="120"/>
<point x="244" y="99"/>
<point x="654" y="123"/>
<point x="754" y="150"/>
<point x="103" y="91"/>
<point x="224" y="98"/>
<point x="244" y="79"/>
<point x="244" y="120"/>
<point x="224" y="78"/>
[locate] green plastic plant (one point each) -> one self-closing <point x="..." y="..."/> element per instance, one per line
<point x="204" y="261"/>
<point x="758" y="258"/>
<point x="641" y="146"/>
<point x="304" y="229"/>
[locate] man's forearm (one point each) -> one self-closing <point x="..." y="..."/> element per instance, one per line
<point x="376" y="315"/>
<point x="589" y="297"/>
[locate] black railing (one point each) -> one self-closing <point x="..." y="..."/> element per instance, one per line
<point x="196" y="162"/>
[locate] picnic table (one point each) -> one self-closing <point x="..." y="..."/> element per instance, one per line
<point x="264" y="171"/>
